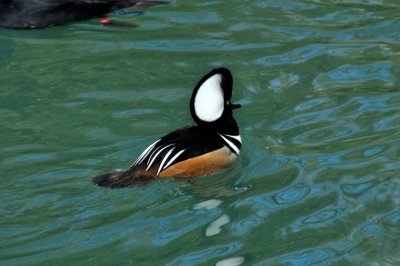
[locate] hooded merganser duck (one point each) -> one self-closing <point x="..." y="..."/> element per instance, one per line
<point x="212" y="145"/>
<point x="28" y="14"/>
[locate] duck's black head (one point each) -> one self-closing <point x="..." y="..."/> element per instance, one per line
<point x="211" y="105"/>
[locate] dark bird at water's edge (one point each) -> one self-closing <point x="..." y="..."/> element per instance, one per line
<point x="29" y="14"/>
<point x="210" y="146"/>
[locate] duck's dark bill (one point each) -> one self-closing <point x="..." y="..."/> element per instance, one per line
<point x="236" y="106"/>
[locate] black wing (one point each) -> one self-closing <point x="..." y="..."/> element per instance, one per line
<point x="178" y="146"/>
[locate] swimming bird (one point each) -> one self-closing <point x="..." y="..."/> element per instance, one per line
<point x="29" y="14"/>
<point x="210" y="146"/>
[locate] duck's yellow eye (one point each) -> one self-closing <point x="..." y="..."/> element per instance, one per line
<point x="228" y="102"/>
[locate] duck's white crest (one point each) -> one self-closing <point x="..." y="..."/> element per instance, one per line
<point x="209" y="99"/>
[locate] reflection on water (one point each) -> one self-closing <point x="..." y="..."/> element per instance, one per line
<point x="317" y="179"/>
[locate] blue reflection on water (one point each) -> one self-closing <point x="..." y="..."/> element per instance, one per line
<point x="204" y="255"/>
<point x="350" y="74"/>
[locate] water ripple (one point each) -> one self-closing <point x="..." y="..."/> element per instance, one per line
<point x="203" y="255"/>
<point x="315" y="256"/>
<point x="292" y="194"/>
<point x="351" y="75"/>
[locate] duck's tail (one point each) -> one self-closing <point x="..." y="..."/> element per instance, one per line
<point x="112" y="178"/>
<point x="119" y="179"/>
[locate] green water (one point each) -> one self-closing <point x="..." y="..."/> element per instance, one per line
<point x="317" y="182"/>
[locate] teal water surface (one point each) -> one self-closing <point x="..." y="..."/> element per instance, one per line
<point x="317" y="182"/>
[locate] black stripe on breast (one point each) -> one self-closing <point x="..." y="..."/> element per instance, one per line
<point x="233" y="142"/>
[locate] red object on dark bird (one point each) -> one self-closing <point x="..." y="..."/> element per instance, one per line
<point x="106" y="21"/>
